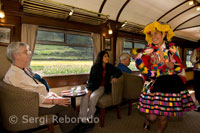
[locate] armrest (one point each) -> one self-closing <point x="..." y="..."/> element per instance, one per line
<point x="117" y="89"/>
<point x="132" y="86"/>
<point x="16" y="101"/>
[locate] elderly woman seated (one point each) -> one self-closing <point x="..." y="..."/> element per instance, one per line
<point x="19" y="75"/>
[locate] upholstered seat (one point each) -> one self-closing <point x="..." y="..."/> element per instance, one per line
<point x="132" y="88"/>
<point x="105" y="101"/>
<point x="112" y="99"/>
<point x="20" y="109"/>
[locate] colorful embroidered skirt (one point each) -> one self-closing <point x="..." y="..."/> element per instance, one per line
<point x="168" y="97"/>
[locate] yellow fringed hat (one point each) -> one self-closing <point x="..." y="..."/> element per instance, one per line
<point x="159" y="27"/>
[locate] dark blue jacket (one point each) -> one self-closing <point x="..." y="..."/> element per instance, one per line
<point x="124" y="68"/>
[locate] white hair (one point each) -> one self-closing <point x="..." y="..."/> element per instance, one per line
<point x="13" y="48"/>
<point x="124" y="56"/>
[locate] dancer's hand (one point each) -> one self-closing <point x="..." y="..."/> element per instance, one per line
<point x="170" y="65"/>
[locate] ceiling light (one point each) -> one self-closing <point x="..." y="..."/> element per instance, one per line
<point x="2" y="13"/>
<point x="110" y="32"/>
<point x="191" y="2"/>
<point x="198" y="8"/>
<point x="71" y="12"/>
<point x="124" y="24"/>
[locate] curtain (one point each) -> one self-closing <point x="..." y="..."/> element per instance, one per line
<point x="29" y="34"/>
<point x="119" y="48"/>
<point x="97" y="44"/>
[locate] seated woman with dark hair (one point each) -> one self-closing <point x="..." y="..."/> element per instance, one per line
<point x="102" y="74"/>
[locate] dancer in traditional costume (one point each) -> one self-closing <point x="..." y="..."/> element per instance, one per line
<point x="164" y="93"/>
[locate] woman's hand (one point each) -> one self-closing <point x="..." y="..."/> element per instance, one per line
<point x="89" y="94"/>
<point x="114" y="80"/>
<point x="62" y="101"/>
<point x="170" y="65"/>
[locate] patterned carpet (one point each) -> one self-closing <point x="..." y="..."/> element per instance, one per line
<point x="189" y="123"/>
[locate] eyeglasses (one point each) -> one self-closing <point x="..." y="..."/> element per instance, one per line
<point x="28" y="52"/>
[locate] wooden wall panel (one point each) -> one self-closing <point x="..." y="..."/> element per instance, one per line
<point x="59" y="23"/>
<point x="131" y="35"/>
<point x="11" y="5"/>
<point x="66" y="80"/>
<point x="15" y="23"/>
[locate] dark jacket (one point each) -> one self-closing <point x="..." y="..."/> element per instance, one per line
<point x="95" y="77"/>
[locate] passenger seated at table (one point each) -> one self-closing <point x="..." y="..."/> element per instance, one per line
<point x="19" y="75"/>
<point x="101" y="76"/>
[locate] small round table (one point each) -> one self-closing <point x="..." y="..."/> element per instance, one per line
<point x="73" y="94"/>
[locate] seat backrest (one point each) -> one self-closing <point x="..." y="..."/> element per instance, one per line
<point x="4" y="63"/>
<point x="117" y="90"/>
<point x="132" y="86"/>
<point x="17" y="105"/>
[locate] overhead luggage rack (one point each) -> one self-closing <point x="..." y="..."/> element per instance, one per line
<point x="62" y="11"/>
<point x="131" y="27"/>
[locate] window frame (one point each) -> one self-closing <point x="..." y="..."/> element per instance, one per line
<point x="133" y="41"/>
<point x="75" y="32"/>
<point x="187" y="49"/>
<point x="65" y="34"/>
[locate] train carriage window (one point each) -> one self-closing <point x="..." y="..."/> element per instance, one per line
<point x="128" y="45"/>
<point x="188" y="55"/>
<point x="62" y="52"/>
<point x="50" y="36"/>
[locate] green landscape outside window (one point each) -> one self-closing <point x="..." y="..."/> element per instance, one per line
<point x="128" y="45"/>
<point x="62" y="53"/>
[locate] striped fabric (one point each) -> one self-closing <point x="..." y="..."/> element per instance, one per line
<point x="167" y="104"/>
<point x="159" y="102"/>
<point x="150" y="65"/>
